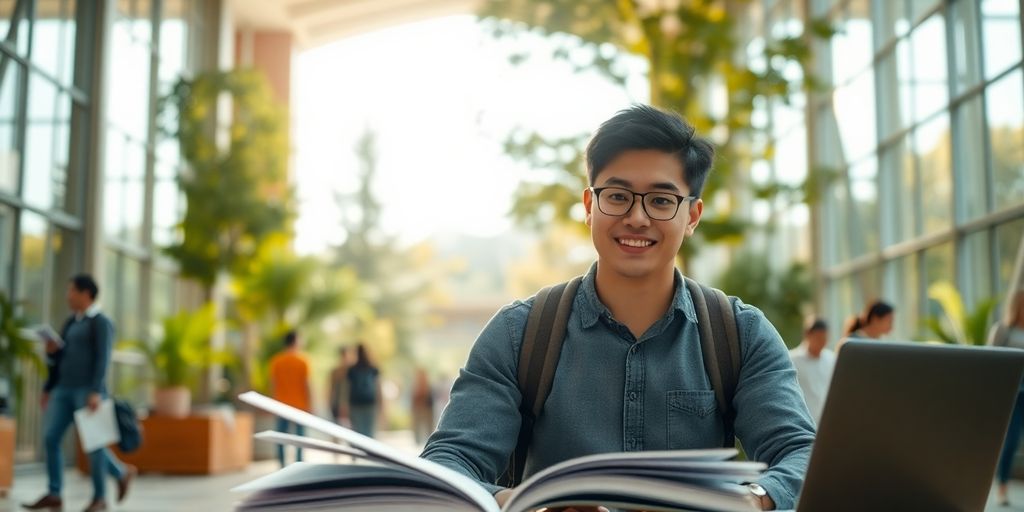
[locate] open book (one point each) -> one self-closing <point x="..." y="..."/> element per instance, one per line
<point x="385" y="478"/>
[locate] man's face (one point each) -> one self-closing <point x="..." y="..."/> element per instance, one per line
<point x="633" y="245"/>
<point x="816" y="341"/>
<point x="78" y="300"/>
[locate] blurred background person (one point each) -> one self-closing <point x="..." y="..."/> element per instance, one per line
<point x="289" y="384"/>
<point x="873" y="323"/>
<point x="422" y="406"/>
<point x="814" y="365"/>
<point x="364" y="397"/>
<point x="1009" y="332"/>
<point x="338" y="387"/>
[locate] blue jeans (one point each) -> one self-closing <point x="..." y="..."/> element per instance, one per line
<point x="1012" y="441"/>
<point x="284" y="425"/>
<point x="60" y="414"/>
<point x="364" y="419"/>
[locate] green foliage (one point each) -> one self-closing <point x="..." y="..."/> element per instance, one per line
<point x="956" y="325"/>
<point x="281" y="291"/>
<point x="184" y="347"/>
<point x="691" y="48"/>
<point x="783" y="297"/>
<point x="15" y="347"/>
<point x="237" y="194"/>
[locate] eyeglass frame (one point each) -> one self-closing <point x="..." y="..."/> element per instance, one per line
<point x="643" y="202"/>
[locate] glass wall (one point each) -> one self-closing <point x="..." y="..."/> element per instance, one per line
<point x="49" y="69"/>
<point x="927" y="186"/>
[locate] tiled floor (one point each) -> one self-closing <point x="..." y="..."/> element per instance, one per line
<point x="161" y="493"/>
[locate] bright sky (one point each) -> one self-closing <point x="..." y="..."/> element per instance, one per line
<point x="441" y="97"/>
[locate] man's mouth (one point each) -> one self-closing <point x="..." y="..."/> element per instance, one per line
<point x="635" y="242"/>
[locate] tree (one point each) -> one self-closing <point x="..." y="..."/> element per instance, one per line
<point x="691" y="48"/>
<point x="781" y="296"/>
<point x="395" y="281"/>
<point x="237" y="194"/>
<point x="280" y="291"/>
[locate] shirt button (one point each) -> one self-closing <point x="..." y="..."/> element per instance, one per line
<point x="633" y="349"/>
<point x="632" y="395"/>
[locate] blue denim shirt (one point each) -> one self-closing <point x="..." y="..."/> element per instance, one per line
<point x="613" y="392"/>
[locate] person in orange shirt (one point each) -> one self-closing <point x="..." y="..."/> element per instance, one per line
<point x="289" y="384"/>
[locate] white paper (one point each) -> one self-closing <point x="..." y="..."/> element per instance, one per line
<point x="97" y="429"/>
<point x="43" y="333"/>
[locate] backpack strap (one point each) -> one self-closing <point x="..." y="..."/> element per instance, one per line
<point x="719" y="343"/>
<point x="538" y="359"/>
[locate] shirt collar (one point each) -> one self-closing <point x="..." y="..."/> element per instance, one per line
<point x="590" y="308"/>
<point x="89" y="312"/>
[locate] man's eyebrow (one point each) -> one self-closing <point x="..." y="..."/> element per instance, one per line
<point x="619" y="182"/>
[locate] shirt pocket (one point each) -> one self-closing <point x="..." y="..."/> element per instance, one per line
<point x="692" y="420"/>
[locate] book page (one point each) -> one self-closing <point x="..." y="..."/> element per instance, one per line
<point x="459" y="483"/>
<point x="274" y="436"/>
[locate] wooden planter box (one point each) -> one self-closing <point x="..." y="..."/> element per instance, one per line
<point x="6" y="454"/>
<point x="194" y="445"/>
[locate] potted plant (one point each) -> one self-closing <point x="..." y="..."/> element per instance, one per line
<point x="182" y="350"/>
<point x="15" y="348"/>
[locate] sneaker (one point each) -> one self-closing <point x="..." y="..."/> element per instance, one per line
<point x="49" y="502"/>
<point x="122" y="485"/>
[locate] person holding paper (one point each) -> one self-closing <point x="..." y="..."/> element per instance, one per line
<point x="78" y="378"/>
<point x="630" y="375"/>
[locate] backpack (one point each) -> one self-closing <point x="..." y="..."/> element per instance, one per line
<point x="362" y="385"/>
<point x="128" y="426"/>
<point x="542" y="346"/>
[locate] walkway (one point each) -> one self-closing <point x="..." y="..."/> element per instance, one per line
<point x="161" y="493"/>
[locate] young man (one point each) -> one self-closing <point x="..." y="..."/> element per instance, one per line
<point x="289" y="384"/>
<point x="814" y="364"/>
<point x="78" y="378"/>
<point x="631" y="376"/>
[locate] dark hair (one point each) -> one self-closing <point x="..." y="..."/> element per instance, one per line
<point x="875" y="309"/>
<point x="645" y="127"/>
<point x="362" y="359"/>
<point x="290" y="338"/>
<point x="85" y="283"/>
<point x="816" y="324"/>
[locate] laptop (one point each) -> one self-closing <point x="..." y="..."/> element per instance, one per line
<point x="911" y="426"/>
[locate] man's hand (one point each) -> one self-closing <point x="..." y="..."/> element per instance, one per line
<point x="51" y="346"/>
<point x="502" y="496"/>
<point x="93" y="401"/>
<point x="43" y="400"/>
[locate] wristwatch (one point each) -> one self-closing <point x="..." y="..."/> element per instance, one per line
<point x="758" y="492"/>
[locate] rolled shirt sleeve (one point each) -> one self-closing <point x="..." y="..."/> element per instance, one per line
<point x="772" y="420"/>
<point x="480" y="426"/>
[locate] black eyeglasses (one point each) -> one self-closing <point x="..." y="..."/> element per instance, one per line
<point x="616" y="201"/>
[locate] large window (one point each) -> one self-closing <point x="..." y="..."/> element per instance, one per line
<point x="945" y="88"/>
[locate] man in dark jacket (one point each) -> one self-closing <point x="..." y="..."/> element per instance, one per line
<point x="78" y="378"/>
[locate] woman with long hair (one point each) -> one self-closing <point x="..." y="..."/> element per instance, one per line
<point x="1009" y="332"/>
<point x="873" y="323"/>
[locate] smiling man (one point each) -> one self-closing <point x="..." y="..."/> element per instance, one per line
<point x="631" y="375"/>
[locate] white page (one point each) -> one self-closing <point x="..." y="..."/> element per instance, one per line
<point x="458" y="482"/>
<point x="274" y="436"/>
<point x="683" y="496"/>
<point x="97" y="429"/>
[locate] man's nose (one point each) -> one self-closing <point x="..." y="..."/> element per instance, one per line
<point x="637" y="216"/>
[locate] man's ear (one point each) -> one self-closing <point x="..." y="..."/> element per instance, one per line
<point x="588" y="204"/>
<point x="696" y="210"/>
